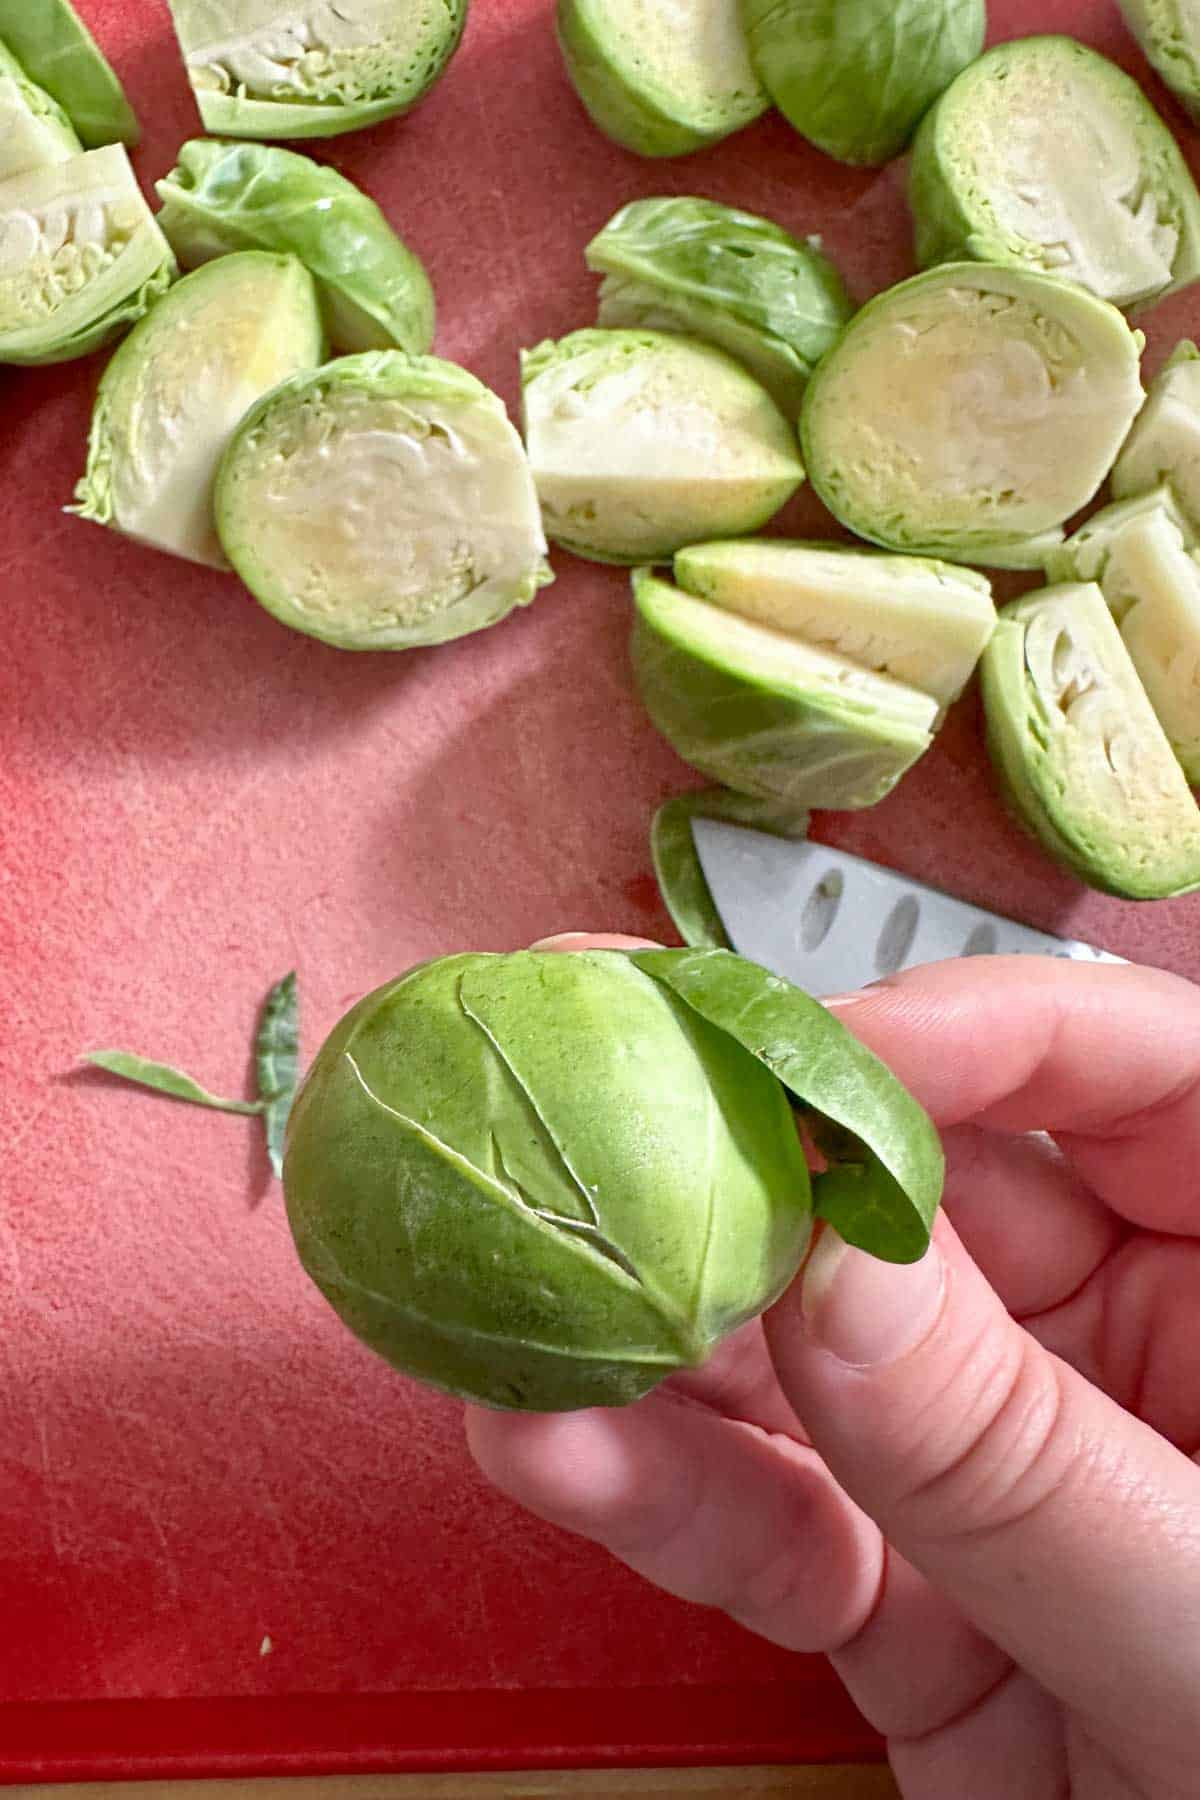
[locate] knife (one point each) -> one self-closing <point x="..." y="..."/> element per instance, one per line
<point x="831" y="922"/>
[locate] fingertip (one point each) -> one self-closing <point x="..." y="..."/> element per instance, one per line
<point x="575" y="1468"/>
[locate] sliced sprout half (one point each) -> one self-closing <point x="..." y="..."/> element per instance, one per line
<point x="382" y="502"/>
<point x="34" y="129"/>
<point x="1140" y="553"/>
<point x="81" y="257"/>
<point x="1169" y="33"/>
<point x="178" y="387"/>
<point x="855" y="76"/>
<point x="968" y="412"/>
<point x="922" y="622"/>
<point x="58" y="52"/>
<point x="375" y="293"/>
<point x="1044" y="155"/>
<point x="643" y="441"/>
<point x="275" y="68"/>
<point x="767" y="715"/>
<point x="659" y="80"/>
<point x="1083" y="759"/>
<point x="736" y="280"/>
<point x="1164" y="443"/>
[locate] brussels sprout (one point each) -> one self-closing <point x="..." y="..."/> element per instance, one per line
<point x="736" y="280"/>
<point x="855" y="76"/>
<point x="1044" y="155"/>
<point x="1169" y="33"/>
<point x="767" y="715"/>
<point x="1083" y="760"/>
<point x="380" y="503"/>
<point x="312" y="68"/>
<point x="659" y="78"/>
<point x="642" y="441"/>
<point x="34" y="129"/>
<point x="56" y="49"/>
<point x="681" y="879"/>
<point x="177" y="388"/>
<point x="1140" y="553"/>
<point x="374" y="292"/>
<point x="966" y="413"/>
<point x="546" y="1182"/>
<point x="81" y="257"/>
<point x="922" y="622"/>
<point x="1164" y="443"/>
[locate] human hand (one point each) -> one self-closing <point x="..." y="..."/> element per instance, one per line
<point x="973" y="1480"/>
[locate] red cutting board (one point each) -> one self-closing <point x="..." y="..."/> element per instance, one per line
<point x="194" y="1456"/>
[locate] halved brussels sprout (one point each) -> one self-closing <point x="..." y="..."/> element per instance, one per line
<point x="966" y="413"/>
<point x="1169" y="33"/>
<point x="766" y="714"/>
<point x="546" y="1182"/>
<point x="178" y="387"/>
<point x="922" y="622"/>
<point x="1082" y="757"/>
<point x="855" y="76"/>
<point x="656" y="79"/>
<point x="382" y="502"/>
<point x="1044" y="155"/>
<point x="1164" y="442"/>
<point x="1140" y="553"/>
<point x="738" y="281"/>
<point x="34" y="129"/>
<point x="81" y="257"/>
<point x="278" y="68"/>
<point x="375" y="293"/>
<point x="642" y="441"/>
<point x="58" y="52"/>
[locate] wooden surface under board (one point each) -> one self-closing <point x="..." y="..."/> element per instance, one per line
<point x="841" y="1783"/>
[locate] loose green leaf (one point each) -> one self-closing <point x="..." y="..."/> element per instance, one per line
<point x="174" y="1083"/>
<point x="884" y="1196"/>
<point x="277" y="1060"/>
<point x="681" y="878"/>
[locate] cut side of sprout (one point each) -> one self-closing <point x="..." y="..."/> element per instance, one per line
<point x="1084" y="761"/>
<point x="381" y="503"/>
<point x="34" y="129"/>
<point x="1164" y="443"/>
<point x="1169" y="33"/>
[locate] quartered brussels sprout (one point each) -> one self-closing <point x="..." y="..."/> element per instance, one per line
<point x="924" y="623"/>
<point x="312" y="68"/>
<point x="58" y="52"/>
<point x="1164" y="443"/>
<point x="1169" y="33"/>
<point x="1044" y="155"/>
<point x="643" y="441"/>
<point x="737" y="281"/>
<point x="966" y="413"/>
<point x="81" y="257"/>
<point x="545" y="1182"/>
<point x="1141" y="553"/>
<point x="178" y="387"/>
<point x="769" y="715"/>
<point x="855" y="76"/>
<point x="375" y="293"/>
<point x="1083" y="760"/>
<point x="34" y="129"/>
<point x="382" y="502"/>
<point x="658" y="79"/>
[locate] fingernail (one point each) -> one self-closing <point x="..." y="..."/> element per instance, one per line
<point x="560" y="937"/>
<point x="866" y="1312"/>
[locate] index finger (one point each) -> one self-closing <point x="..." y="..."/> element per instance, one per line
<point x="1104" y="1057"/>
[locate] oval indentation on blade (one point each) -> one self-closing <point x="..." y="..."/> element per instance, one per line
<point x="982" y="941"/>
<point x="821" y="909"/>
<point x="896" y="938"/>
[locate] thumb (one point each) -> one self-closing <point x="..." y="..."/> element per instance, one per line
<point x="1065" y="1528"/>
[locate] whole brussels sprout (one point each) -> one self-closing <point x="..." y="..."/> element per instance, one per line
<point x="545" y="1182"/>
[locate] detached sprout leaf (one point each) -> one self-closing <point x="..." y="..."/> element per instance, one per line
<point x="884" y="1196"/>
<point x="681" y="879"/>
<point x="163" y="1079"/>
<point x="56" y="50"/>
<point x="277" y="1061"/>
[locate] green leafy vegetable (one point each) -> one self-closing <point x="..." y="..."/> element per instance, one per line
<point x="34" y="129"/>
<point x="677" y="866"/>
<point x="1169" y="33"/>
<point x="375" y="294"/>
<point x="174" y="1083"/>
<point x="277" y="1063"/>
<point x="56" y="49"/>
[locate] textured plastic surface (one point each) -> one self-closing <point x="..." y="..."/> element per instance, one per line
<point x="194" y="1456"/>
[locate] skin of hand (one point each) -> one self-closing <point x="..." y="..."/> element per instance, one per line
<point x="972" y="1481"/>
